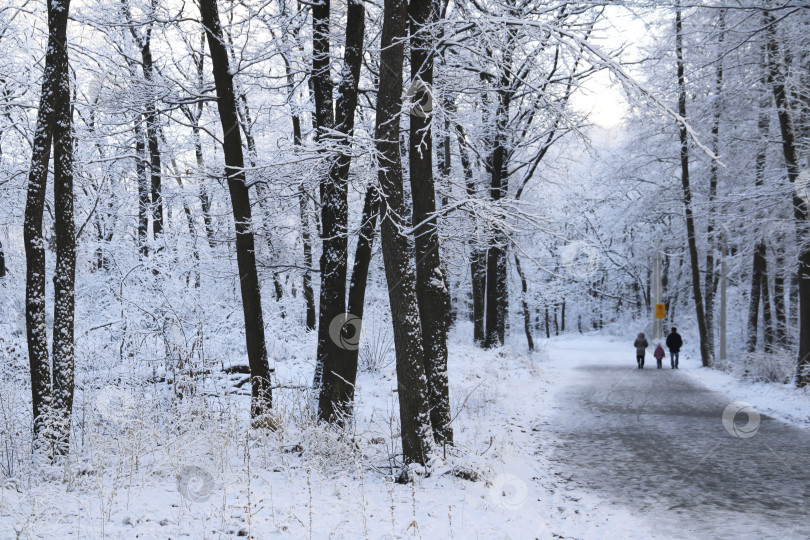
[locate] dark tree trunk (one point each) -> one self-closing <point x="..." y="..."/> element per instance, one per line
<point x="141" y="165"/>
<point x="53" y="127"/>
<point x="793" y="301"/>
<point x="556" y="321"/>
<point x="754" y="300"/>
<point x="150" y="115"/>
<point x="776" y="78"/>
<point x="240" y="200"/>
<point x="417" y="440"/>
<point x="763" y="129"/>
<point x="333" y="204"/>
<point x="357" y="286"/>
<point x="306" y="239"/>
<point x="496" y="295"/>
<point x="478" y="275"/>
<point x="767" y="318"/>
<point x="431" y="289"/>
<point x="205" y="200"/>
<point x="65" y="272"/>
<point x="2" y="262"/>
<point x="444" y="171"/>
<point x="711" y="273"/>
<point x="246" y="123"/>
<point x="527" y="327"/>
<point x="495" y="327"/>
<point x="41" y="390"/>
<point x="337" y="379"/>
<point x="303" y="202"/>
<point x="780" y="317"/>
<point x="706" y="354"/>
<point x="154" y="175"/>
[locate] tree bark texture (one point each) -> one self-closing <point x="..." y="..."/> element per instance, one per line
<point x="240" y="201"/>
<point x="52" y="397"/>
<point x="776" y="78"/>
<point x="431" y="287"/>
<point x="338" y="373"/>
<point x="417" y="439"/>
<point x="706" y="355"/>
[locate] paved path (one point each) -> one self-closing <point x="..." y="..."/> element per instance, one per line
<point x="653" y="441"/>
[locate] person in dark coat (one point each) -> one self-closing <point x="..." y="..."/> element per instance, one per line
<point x="658" y="354"/>
<point x="641" y="349"/>
<point x="674" y="344"/>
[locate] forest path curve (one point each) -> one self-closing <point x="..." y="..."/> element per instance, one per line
<point x="653" y="441"/>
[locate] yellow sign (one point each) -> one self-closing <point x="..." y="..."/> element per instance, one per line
<point x="660" y="311"/>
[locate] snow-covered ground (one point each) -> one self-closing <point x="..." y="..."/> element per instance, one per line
<point x="208" y="476"/>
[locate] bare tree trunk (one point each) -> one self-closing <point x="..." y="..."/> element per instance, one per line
<point x="303" y="202"/>
<point x="245" y="122"/>
<point x="527" y="326"/>
<point x="711" y="273"/>
<point x="141" y="165"/>
<point x="150" y="115"/>
<point x="444" y="172"/>
<point x="205" y="200"/>
<point x="306" y="238"/>
<point x="478" y="276"/>
<point x="417" y="440"/>
<point x="767" y="318"/>
<point x="41" y="389"/>
<point x="2" y="262"/>
<point x="776" y="78"/>
<point x="53" y="127"/>
<point x="64" y="225"/>
<point x="495" y="328"/>
<point x="779" y="314"/>
<point x="763" y="128"/>
<point x="333" y="201"/>
<point x="556" y="321"/>
<point x="337" y="384"/>
<point x="431" y="287"/>
<point x="793" y="299"/>
<point x="262" y="398"/>
<point x="706" y="354"/>
<point x="357" y="286"/>
<point x="754" y="300"/>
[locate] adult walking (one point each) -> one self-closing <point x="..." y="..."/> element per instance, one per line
<point x="641" y="349"/>
<point x="674" y="344"/>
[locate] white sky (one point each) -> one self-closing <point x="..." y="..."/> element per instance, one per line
<point x="600" y="97"/>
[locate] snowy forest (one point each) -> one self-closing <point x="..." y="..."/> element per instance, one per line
<point x="375" y="269"/>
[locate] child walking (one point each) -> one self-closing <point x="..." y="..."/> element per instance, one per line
<point x="659" y="354"/>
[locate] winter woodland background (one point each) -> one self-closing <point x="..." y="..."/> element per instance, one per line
<point x="472" y="177"/>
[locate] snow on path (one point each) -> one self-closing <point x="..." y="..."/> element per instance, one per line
<point x="653" y="442"/>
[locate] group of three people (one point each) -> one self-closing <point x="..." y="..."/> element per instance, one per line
<point x="674" y="344"/>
